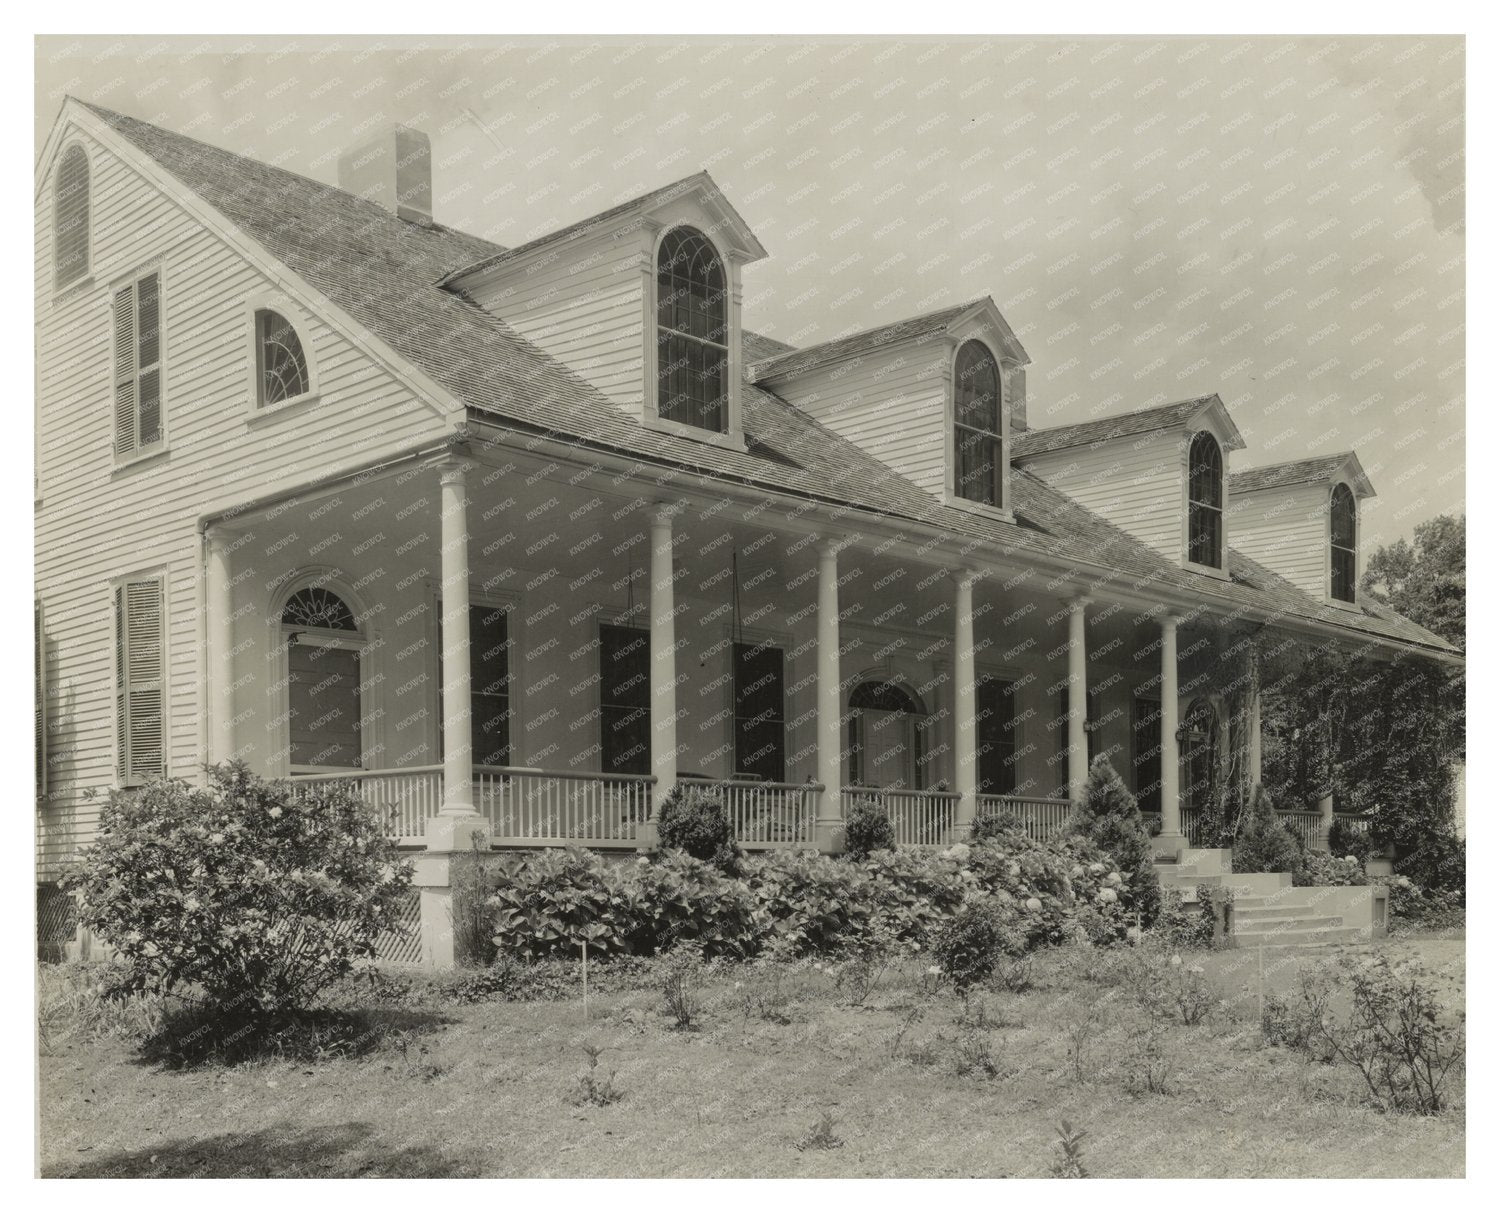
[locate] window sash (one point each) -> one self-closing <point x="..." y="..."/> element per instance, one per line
<point x="1342" y="573"/>
<point x="692" y="380"/>
<point x="137" y="374"/>
<point x="970" y="481"/>
<point x="624" y="700"/>
<point x="759" y="712"/>
<point x="139" y="684"/>
<point x="997" y="729"/>
<point x="1205" y="535"/>
<point x="489" y="684"/>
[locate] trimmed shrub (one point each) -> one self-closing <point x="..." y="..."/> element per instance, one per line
<point x="867" y="829"/>
<point x="692" y="819"/>
<point x="1110" y="818"/>
<point x="1264" y="844"/>
<point x="1345" y="840"/>
<point x="999" y="823"/>
<point x="975" y="940"/>
<point x="259" y="893"/>
<point x="674" y="898"/>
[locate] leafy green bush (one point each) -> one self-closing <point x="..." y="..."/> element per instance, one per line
<point x="550" y="902"/>
<point x="998" y="823"/>
<point x="1319" y="868"/>
<point x="1109" y="817"/>
<point x="867" y="829"/>
<point x="1437" y="864"/>
<point x="257" y="892"/>
<point x="813" y="903"/>
<point x="1264" y="844"/>
<point x="674" y="898"/>
<point x="1181" y="927"/>
<point x="915" y="891"/>
<point x="975" y="940"/>
<point x="692" y="819"/>
<point x="1411" y="907"/>
<point x="473" y="930"/>
<point x="1345" y="840"/>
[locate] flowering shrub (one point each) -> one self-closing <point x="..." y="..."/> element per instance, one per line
<point x="1411" y="906"/>
<point x="675" y="898"/>
<point x="867" y="828"/>
<point x="814" y="903"/>
<point x="257" y="892"/>
<point x="1321" y="869"/>
<point x="917" y="890"/>
<point x="1344" y="839"/>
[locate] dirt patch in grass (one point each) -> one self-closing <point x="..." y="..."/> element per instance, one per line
<point x="913" y="1083"/>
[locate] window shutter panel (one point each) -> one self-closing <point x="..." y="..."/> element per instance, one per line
<point x="144" y="677"/>
<point x="124" y="313"/>
<point x="41" y="704"/>
<point x="70" y="218"/>
<point x="122" y="733"/>
<point x="148" y="358"/>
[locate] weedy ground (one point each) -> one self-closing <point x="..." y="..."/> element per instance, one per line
<point x="910" y="1080"/>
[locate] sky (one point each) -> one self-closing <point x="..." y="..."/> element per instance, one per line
<point x="1278" y="220"/>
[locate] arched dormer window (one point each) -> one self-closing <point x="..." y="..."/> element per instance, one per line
<point x="281" y="371"/>
<point x="1206" y="501"/>
<point x="1342" y="539"/>
<point x="978" y="426"/>
<point x="70" y="218"/>
<point x="692" y="332"/>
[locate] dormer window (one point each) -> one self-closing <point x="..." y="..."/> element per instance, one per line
<point x="1342" y="531"/>
<point x="978" y="427"/>
<point x="692" y="332"/>
<point x="281" y="366"/>
<point x="1205" y="502"/>
<point x="70" y="218"/>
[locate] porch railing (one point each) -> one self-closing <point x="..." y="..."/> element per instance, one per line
<point x="1040" y="816"/>
<point x="919" y="818"/>
<point x="405" y="796"/>
<point x="766" y="815"/>
<point x="528" y="806"/>
<point x="1303" y="824"/>
<point x="1357" y="822"/>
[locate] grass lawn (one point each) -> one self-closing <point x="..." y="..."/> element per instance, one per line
<point x="483" y="1089"/>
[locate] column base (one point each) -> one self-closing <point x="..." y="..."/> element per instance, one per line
<point x="1169" y="846"/>
<point x="648" y="837"/>
<point x="828" y="836"/>
<point x="457" y="828"/>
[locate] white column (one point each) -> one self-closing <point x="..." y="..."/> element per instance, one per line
<point x="663" y="648"/>
<point x="830" y="700"/>
<point x="1170" y="841"/>
<point x="1078" y="701"/>
<point x="454" y="827"/>
<point x="1325" y="820"/>
<point x="220" y="637"/>
<point x="1252" y="734"/>
<point x="965" y="738"/>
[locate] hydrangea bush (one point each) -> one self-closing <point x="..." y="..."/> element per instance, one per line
<point x="254" y="892"/>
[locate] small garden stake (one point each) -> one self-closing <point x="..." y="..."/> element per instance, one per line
<point x="585" y="946"/>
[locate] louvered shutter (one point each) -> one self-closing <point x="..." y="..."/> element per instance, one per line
<point x="148" y="359"/>
<point x="139" y="680"/>
<point x="70" y="218"/>
<point x="125" y="354"/>
<point x="41" y="703"/>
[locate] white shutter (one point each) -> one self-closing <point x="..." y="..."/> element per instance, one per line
<point x="70" y="218"/>
<point x="124" y="314"/>
<point x="148" y="359"/>
<point x="140" y="680"/>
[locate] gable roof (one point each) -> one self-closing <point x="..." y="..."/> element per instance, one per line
<point x="868" y="341"/>
<point x="620" y="219"/>
<point x="384" y="273"/>
<point x="1123" y="425"/>
<point x="1321" y="469"/>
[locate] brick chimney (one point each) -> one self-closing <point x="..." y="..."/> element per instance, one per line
<point x="393" y="169"/>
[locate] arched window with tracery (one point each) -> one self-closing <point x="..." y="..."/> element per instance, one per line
<point x="887" y="737"/>
<point x="978" y="426"/>
<point x="70" y="218"/>
<point x="1342" y="538"/>
<point x="692" y="332"/>
<point x="280" y="363"/>
<point x="323" y="645"/>
<point x="1206" y="501"/>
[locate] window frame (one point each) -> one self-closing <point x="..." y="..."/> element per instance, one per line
<point x="733" y="435"/>
<point x="139" y="453"/>
<point x="1333" y="548"/>
<point x="300" y="324"/>
<point x="121" y="684"/>
<point x="1012" y="727"/>
<point x="60" y="289"/>
<point x="735" y="716"/>
<point x="1138" y="717"/>
<point x="478" y="602"/>
<point x="1002" y="437"/>
<point x="1191" y="505"/>
<point x="607" y="705"/>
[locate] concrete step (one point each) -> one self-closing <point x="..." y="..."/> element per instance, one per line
<point x="1280" y="937"/>
<point x="1274" y="920"/>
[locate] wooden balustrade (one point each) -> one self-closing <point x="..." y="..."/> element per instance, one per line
<point x="1040" y="816"/>
<point x="766" y="815"/>
<point x="405" y="796"/>
<point x="918" y="818"/>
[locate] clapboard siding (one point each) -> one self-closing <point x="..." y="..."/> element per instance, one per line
<point x="892" y="403"/>
<point x="585" y="308"/>
<point x="97" y="522"/>
<point x="1285" y="529"/>
<point x="1137" y="483"/>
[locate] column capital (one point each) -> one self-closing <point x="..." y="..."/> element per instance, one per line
<point x="966" y="578"/>
<point x="219" y="538"/>
<point x="453" y="470"/>
<point x="1079" y="601"/>
<point x="663" y="512"/>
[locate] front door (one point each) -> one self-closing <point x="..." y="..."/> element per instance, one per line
<point x="889" y="761"/>
<point x="323" y="703"/>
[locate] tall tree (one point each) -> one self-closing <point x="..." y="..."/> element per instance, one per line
<point x="1424" y="580"/>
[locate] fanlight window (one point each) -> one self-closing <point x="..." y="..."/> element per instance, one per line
<point x="1206" y="502"/>
<point x="315" y="607"/>
<point x="1341" y="537"/>
<point x="70" y="218"/>
<point x="979" y="448"/>
<point x="887" y="737"/>
<point x="692" y="333"/>
<point x="281" y="364"/>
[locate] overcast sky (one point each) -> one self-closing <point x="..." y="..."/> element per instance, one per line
<point x="1276" y="220"/>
